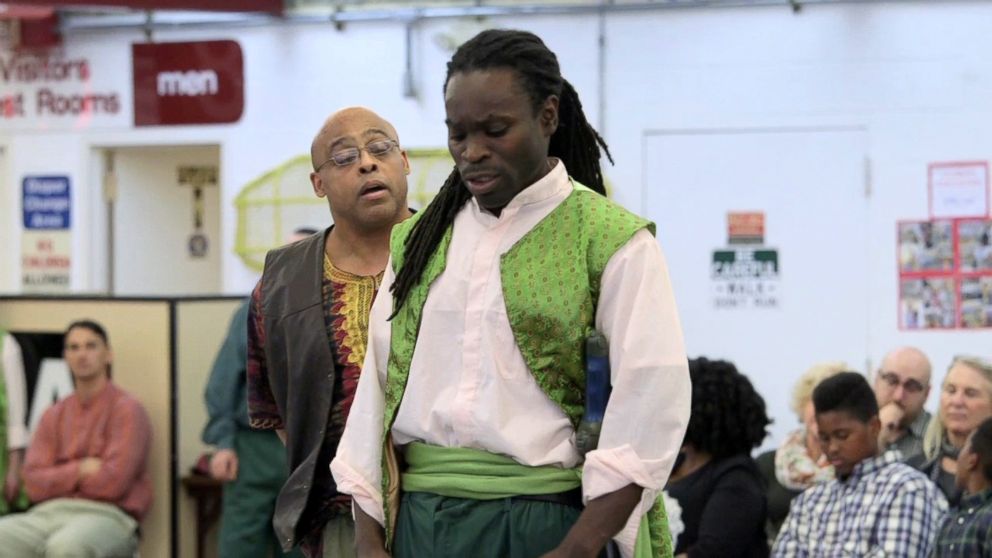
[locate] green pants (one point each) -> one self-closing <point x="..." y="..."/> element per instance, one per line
<point x="69" y="528"/>
<point x="246" y="516"/>
<point x="443" y="527"/>
<point x="338" y="539"/>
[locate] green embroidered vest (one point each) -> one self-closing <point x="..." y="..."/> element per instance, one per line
<point x="551" y="280"/>
<point x="551" y="287"/>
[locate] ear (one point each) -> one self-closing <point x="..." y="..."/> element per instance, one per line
<point x="406" y="162"/>
<point x="874" y="427"/>
<point x="549" y="116"/>
<point x="318" y="184"/>
<point x="970" y="460"/>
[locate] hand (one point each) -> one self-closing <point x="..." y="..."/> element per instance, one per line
<point x="370" y="538"/>
<point x="224" y="465"/>
<point x="891" y="417"/>
<point x="12" y="484"/>
<point x="602" y="518"/>
<point x="89" y="466"/>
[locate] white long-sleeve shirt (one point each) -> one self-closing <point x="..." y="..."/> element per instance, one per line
<point x="13" y="376"/>
<point x="469" y="385"/>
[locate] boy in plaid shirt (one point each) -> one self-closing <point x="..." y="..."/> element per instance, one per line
<point x="876" y="506"/>
<point x="968" y="532"/>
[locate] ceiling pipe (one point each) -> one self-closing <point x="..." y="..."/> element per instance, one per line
<point x="79" y="23"/>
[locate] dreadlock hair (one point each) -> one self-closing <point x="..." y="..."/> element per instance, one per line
<point x="575" y="141"/>
<point x="728" y="416"/>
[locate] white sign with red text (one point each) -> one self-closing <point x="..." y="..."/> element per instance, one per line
<point x="46" y="261"/>
<point x="60" y="90"/>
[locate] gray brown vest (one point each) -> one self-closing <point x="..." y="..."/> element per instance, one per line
<point x="301" y="372"/>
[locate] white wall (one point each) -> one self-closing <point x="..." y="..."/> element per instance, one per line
<point x="911" y="73"/>
<point x="915" y="76"/>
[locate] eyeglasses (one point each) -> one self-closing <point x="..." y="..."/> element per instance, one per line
<point x="346" y="157"/>
<point x="911" y="386"/>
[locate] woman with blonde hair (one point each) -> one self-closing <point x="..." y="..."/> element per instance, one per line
<point x="965" y="401"/>
<point x="798" y="463"/>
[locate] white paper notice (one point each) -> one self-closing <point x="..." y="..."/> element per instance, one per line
<point x="959" y="190"/>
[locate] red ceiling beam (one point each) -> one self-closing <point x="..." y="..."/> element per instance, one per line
<point x="20" y="11"/>
<point x="266" y="6"/>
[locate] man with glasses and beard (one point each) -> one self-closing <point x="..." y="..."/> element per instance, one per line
<point x="308" y="322"/>
<point x="902" y="385"/>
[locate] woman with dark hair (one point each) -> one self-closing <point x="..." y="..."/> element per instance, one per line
<point x="715" y="481"/>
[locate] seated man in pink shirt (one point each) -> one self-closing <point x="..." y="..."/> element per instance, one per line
<point x="87" y="465"/>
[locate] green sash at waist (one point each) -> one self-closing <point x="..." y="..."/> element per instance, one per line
<point x="480" y="475"/>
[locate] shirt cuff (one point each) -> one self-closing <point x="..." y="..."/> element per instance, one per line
<point x="17" y="436"/>
<point x="225" y="442"/>
<point x="609" y="470"/>
<point x="366" y="496"/>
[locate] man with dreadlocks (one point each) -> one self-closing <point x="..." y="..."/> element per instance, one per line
<point x="474" y="379"/>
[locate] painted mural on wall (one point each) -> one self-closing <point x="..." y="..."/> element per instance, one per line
<point x="282" y="200"/>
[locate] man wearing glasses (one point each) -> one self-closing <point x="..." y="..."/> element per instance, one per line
<point x="308" y="322"/>
<point x="902" y="385"/>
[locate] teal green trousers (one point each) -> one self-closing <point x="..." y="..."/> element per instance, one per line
<point x="246" y="516"/>
<point x="445" y="527"/>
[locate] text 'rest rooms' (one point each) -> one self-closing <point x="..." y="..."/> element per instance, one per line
<point x="44" y="69"/>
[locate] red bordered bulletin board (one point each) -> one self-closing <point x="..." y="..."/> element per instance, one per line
<point x="945" y="274"/>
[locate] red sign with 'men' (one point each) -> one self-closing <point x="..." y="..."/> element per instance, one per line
<point x="188" y="83"/>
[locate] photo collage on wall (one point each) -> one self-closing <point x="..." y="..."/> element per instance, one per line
<point x="945" y="274"/>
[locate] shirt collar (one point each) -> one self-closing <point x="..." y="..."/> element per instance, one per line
<point x="107" y="390"/>
<point x="919" y="424"/>
<point x="976" y="500"/>
<point x="554" y="183"/>
<point x="872" y="465"/>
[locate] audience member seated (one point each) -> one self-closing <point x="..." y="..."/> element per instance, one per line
<point x="965" y="401"/>
<point x="902" y="385"/>
<point x="86" y="466"/>
<point x="968" y="532"/>
<point x="798" y="463"/>
<point x="877" y="505"/>
<point x="715" y="481"/>
<point x="13" y="423"/>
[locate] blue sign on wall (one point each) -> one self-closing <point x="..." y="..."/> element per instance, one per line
<point x="47" y="203"/>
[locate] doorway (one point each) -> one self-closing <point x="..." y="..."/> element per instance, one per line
<point x="163" y="220"/>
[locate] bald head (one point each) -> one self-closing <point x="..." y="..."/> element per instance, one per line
<point x="904" y="378"/>
<point x="338" y="128"/>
